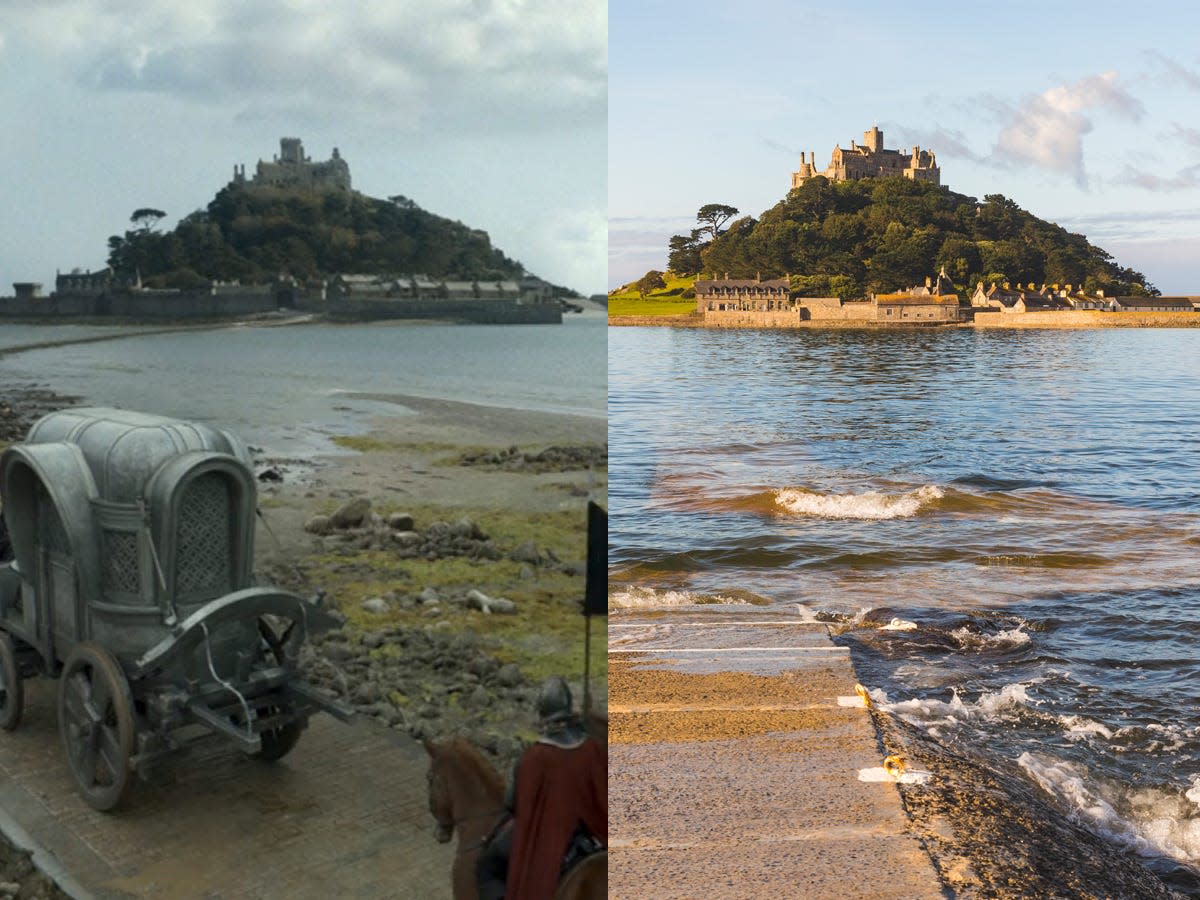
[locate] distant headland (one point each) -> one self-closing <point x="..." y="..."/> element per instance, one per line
<point x="294" y="235"/>
<point x="854" y="242"/>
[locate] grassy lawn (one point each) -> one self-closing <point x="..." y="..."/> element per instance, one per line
<point x="667" y="306"/>
<point x="545" y="636"/>
<point x="665" y="302"/>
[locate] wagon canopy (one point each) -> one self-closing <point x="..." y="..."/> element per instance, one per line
<point x="155" y="513"/>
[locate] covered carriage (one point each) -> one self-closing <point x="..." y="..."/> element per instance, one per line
<point x="131" y="581"/>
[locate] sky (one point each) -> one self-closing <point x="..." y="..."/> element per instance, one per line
<point x="491" y="112"/>
<point x="1084" y="113"/>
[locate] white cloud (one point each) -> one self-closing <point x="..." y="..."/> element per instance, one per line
<point x="458" y="65"/>
<point x="1176" y="72"/>
<point x="1046" y="130"/>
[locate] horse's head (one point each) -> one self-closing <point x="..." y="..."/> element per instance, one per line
<point x="439" y="795"/>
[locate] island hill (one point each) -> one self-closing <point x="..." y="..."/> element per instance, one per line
<point x="875" y="238"/>
<point x="296" y="235"/>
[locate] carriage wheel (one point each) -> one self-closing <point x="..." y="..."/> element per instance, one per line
<point x="12" y="691"/>
<point x="95" y="719"/>
<point x="278" y="742"/>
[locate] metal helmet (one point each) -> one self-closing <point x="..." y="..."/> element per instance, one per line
<point x="554" y="701"/>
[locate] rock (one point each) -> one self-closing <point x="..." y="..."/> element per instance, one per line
<point x="509" y="675"/>
<point x="526" y="573"/>
<point x="270" y="474"/>
<point x="375" y="605"/>
<point x="319" y="525"/>
<point x="373" y="639"/>
<point x="433" y="611"/>
<point x="479" y="697"/>
<point x="429" y="595"/>
<point x="367" y="693"/>
<point x="352" y="514"/>
<point x="398" y="521"/>
<point x="575" y="568"/>
<point x="482" y="602"/>
<point x="526" y="553"/>
<point x="503" y="606"/>
<point x="337" y="652"/>
<point x="406" y="538"/>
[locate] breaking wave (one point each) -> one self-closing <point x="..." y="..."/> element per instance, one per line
<point x="872" y="505"/>
<point x="651" y="598"/>
<point x="1151" y="821"/>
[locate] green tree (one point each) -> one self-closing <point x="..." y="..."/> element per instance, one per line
<point x="712" y="216"/>
<point x="651" y="281"/>
<point x="683" y="257"/>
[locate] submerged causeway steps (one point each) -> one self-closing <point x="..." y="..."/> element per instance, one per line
<point x="733" y="767"/>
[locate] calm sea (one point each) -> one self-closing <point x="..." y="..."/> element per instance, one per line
<point x="289" y="389"/>
<point x="1004" y="527"/>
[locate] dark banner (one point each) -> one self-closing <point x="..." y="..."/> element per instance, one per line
<point x="595" y="601"/>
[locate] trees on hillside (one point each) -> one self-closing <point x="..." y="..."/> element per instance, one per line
<point x="887" y="234"/>
<point x="255" y="235"/>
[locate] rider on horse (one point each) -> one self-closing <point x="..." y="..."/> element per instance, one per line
<point x="558" y="798"/>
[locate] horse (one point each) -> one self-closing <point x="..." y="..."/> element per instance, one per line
<point x="466" y="795"/>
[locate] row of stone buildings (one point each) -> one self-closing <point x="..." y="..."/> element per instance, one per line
<point x="735" y="301"/>
<point x="1006" y="298"/>
<point x="771" y="303"/>
<point x="102" y="294"/>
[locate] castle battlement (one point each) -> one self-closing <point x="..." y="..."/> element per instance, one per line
<point x="291" y="168"/>
<point x="870" y="160"/>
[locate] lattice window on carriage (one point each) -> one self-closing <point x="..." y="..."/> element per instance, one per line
<point x="204" y="562"/>
<point x="51" y="533"/>
<point x="121" y="562"/>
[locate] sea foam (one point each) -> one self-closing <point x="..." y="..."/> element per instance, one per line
<point x="871" y="505"/>
<point x="1152" y="821"/>
<point x="650" y="598"/>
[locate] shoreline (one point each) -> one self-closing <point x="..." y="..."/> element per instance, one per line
<point x="1136" y="320"/>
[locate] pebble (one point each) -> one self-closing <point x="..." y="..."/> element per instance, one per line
<point x="375" y="605"/>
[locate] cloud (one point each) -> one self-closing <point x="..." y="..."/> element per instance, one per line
<point x="637" y="244"/>
<point x="943" y="141"/>
<point x="1133" y="225"/>
<point x="1046" y="131"/>
<point x="1189" y="136"/>
<point x="458" y="65"/>
<point x="1175" y="71"/>
<point x="1185" y="178"/>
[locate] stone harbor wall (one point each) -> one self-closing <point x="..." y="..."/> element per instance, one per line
<point x="483" y="312"/>
<point x="142" y="305"/>
<point x="735" y="318"/>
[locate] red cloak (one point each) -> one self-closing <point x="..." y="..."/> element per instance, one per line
<point x="556" y="790"/>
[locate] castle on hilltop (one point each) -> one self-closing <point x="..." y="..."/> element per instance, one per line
<point x="871" y="160"/>
<point x="292" y="169"/>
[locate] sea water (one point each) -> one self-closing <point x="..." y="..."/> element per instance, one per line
<point x="1003" y="526"/>
<point x="290" y="389"/>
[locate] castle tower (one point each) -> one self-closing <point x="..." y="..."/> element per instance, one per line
<point x="873" y="139"/>
<point x="291" y="150"/>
